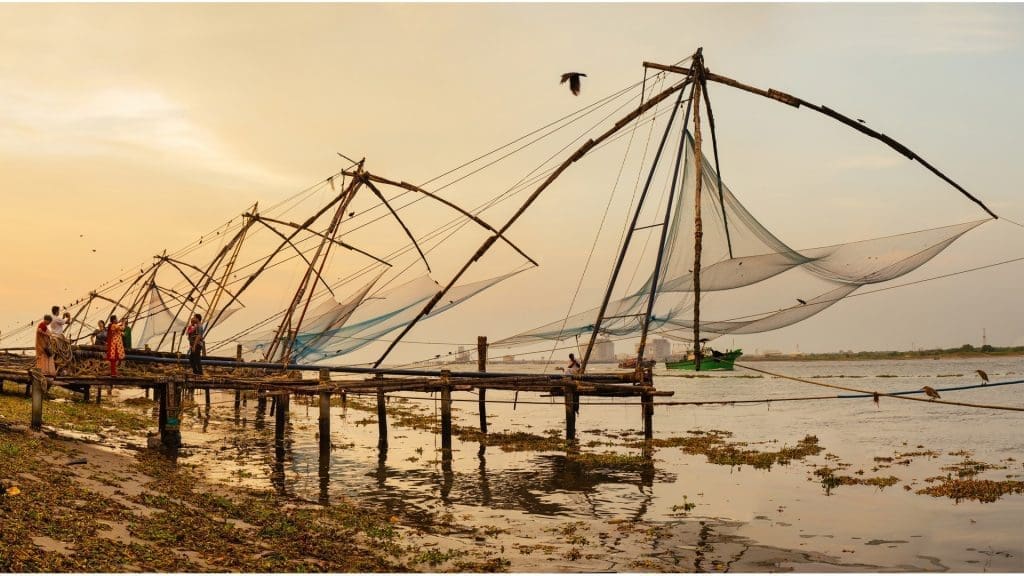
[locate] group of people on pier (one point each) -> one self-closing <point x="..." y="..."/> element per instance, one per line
<point x="53" y="348"/>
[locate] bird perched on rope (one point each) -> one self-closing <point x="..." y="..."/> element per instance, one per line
<point x="984" y="376"/>
<point x="574" y="81"/>
<point x="930" y="392"/>
<point x="802" y="302"/>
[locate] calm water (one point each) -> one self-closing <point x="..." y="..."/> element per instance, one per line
<point x="785" y="507"/>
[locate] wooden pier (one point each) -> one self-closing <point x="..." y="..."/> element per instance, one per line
<point x="168" y="378"/>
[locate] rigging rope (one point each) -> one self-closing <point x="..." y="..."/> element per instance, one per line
<point x="891" y="395"/>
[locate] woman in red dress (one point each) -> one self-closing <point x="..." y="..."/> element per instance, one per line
<point x="115" y="345"/>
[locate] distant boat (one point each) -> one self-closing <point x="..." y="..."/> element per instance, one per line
<point x="713" y="361"/>
<point x="631" y="363"/>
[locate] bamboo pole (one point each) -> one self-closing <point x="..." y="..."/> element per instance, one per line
<point x="570" y="411"/>
<point x="698" y="228"/>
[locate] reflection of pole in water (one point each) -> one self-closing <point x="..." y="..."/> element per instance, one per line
<point x="447" y="476"/>
<point x="382" y="469"/>
<point x="280" y="424"/>
<point x="325" y="472"/>
<point x="485" y="485"/>
<point x="325" y="438"/>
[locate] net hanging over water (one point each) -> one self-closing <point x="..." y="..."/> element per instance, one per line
<point x="743" y="261"/>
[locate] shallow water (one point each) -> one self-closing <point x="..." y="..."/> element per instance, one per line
<point x="786" y="507"/>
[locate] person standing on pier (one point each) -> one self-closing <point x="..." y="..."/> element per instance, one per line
<point x="59" y="323"/>
<point x="115" y="344"/>
<point x="196" y="344"/>
<point x="44" y="348"/>
<point x="574" y="367"/>
<point x="99" y="335"/>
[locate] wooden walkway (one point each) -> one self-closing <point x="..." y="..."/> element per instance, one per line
<point x="279" y="383"/>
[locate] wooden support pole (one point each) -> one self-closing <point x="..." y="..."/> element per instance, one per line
<point x="446" y="414"/>
<point x="86" y="393"/>
<point x="147" y="392"/>
<point x="280" y="418"/>
<point x="170" y="412"/>
<point x="261" y="404"/>
<point x="382" y="420"/>
<point x="99" y="394"/>
<point x="38" y="383"/>
<point x="647" y="402"/>
<point x="570" y="411"/>
<point x="207" y="391"/>
<point x="325" y="412"/>
<point x="481" y="366"/>
<point x="481" y="353"/>
<point x="238" y="393"/>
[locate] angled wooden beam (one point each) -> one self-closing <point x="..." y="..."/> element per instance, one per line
<point x="797" y="102"/>
<point x="408" y="233"/>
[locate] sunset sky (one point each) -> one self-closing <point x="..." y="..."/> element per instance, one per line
<point x="127" y="129"/>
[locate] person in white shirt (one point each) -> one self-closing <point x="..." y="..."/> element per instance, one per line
<point x="60" y="322"/>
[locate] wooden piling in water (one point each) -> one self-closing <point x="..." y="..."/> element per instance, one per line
<point x="170" y="408"/>
<point x="647" y="403"/>
<point x="382" y="419"/>
<point x="38" y="383"/>
<point x="238" y="393"/>
<point x="280" y="417"/>
<point x="481" y="366"/>
<point x="325" y="412"/>
<point x="446" y="413"/>
<point x="261" y="404"/>
<point x="570" y="410"/>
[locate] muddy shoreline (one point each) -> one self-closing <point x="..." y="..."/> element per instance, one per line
<point x="93" y="498"/>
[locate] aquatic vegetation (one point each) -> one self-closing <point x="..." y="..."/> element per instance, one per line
<point x="610" y="460"/>
<point x="830" y="480"/>
<point x="511" y="441"/>
<point x="714" y="445"/>
<point x="970" y="468"/>
<point x="79" y="416"/>
<point x="972" y="489"/>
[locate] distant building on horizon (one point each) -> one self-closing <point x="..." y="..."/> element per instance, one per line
<point x="604" y="350"/>
<point x="661" y="348"/>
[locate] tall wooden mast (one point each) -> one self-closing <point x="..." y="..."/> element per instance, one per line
<point x="288" y="330"/>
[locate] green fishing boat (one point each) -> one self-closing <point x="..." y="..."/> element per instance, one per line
<point x="722" y="361"/>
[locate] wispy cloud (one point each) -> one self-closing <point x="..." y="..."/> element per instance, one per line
<point x="868" y="162"/>
<point x="132" y="124"/>
<point x="960" y="29"/>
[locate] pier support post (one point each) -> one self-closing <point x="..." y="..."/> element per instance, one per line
<point x="446" y="414"/>
<point x="281" y="418"/>
<point x="261" y="403"/>
<point x="170" y="408"/>
<point x="207" y="391"/>
<point x="382" y="418"/>
<point x="86" y="394"/>
<point x="481" y="366"/>
<point x="38" y="383"/>
<point x="161" y="419"/>
<point x="99" y="394"/>
<point x="570" y="411"/>
<point x="647" y="403"/>
<point x="325" y="410"/>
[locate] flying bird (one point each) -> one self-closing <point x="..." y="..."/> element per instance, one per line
<point x="930" y="392"/>
<point x="802" y="302"/>
<point x="984" y="376"/>
<point x="574" y="81"/>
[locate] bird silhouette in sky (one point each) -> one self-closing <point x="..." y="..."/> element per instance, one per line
<point x="984" y="376"/>
<point x="574" y="81"/>
<point x="930" y="392"/>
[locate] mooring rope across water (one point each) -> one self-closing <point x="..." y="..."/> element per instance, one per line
<point x="900" y="395"/>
